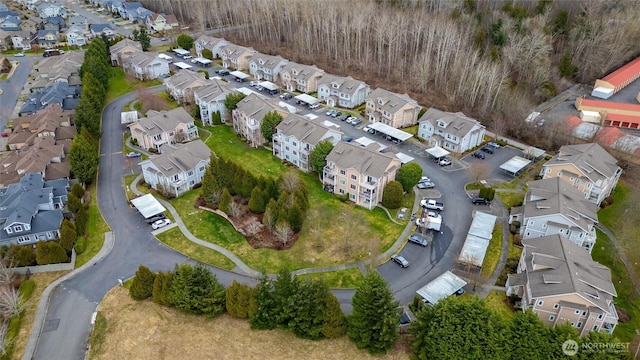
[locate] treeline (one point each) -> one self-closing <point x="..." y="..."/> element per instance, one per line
<point x="491" y="59"/>
<point x="83" y="154"/>
<point x="305" y="306"/>
<point x="283" y="202"/>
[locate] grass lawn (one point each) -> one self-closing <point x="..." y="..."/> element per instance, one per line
<point x="496" y="300"/>
<point x="510" y="199"/>
<point x="96" y="227"/>
<point x="144" y="330"/>
<point x="119" y="84"/>
<point x="343" y="279"/>
<point x="513" y="257"/>
<point x="174" y="239"/>
<point x="492" y="256"/>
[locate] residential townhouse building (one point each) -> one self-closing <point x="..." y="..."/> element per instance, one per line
<point x="56" y="23"/>
<point x="560" y="282"/>
<point x="587" y="167"/>
<point x="248" y="116"/>
<point x="552" y="206"/>
<point x="79" y="21"/>
<point x="31" y="25"/>
<point x="76" y="36"/>
<point x="97" y="30"/>
<point x="22" y="40"/>
<point x="266" y="67"/>
<point x="31" y="210"/>
<point x="395" y="110"/>
<point x="41" y="124"/>
<point x="121" y="48"/>
<point x="48" y="38"/>
<point x="455" y="132"/>
<point x="297" y="136"/>
<point x="164" y="127"/>
<point x="178" y="169"/>
<point x="49" y="9"/>
<point x="43" y="155"/>
<point x="215" y="45"/>
<point x="182" y="84"/>
<point x="145" y="65"/>
<point x="133" y="11"/>
<point x="298" y="77"/>
<point x="210" y="99"/>
<point x="62" y="93"/>
<point x="11" y="23"/>
<point x="360" y="173"/>
<point x="161" y="22"/>
<point x="58" y="69"/>
<point x="345" y="92"/>
<point x="236" y="57"/>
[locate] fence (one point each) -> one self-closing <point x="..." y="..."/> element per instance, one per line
<point x="49" y="268"/>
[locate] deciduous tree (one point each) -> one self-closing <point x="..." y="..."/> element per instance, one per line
<point x="408" y="175"/>
<point x="318" y="156"/>
<point x="232" y="100"/>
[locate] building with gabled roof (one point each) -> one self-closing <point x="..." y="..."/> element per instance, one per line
<point x="248" y="116"/>
<point x="145" y="65"/>
<point x="31" y="209"/>
<point x="121" y="48"/>
<point x="296" y="137"/>
<point x="236" y="57"/>
<point x="178" y="169"/>
<point x="395" y="110"/>
<point x="341" y="91"/>
<point x="98" y="30"/>
<point x="552" y="206"/>
<point x="266" y="67"/>
<point x="454" y="132"/>
<point x="359" y="173"/>
<point x="213" y="44"/>
<point x="41" y="124"/>
<point x="164" y="127"/>
<point x="587" y="167"/>
<point x="299" y="77"/>
<point x="39" y="156"/>
<point x="617" y="80"/>
<point x="210" y="98"/>
<point x="560" y="282"/>
<point x="183" y="83"/>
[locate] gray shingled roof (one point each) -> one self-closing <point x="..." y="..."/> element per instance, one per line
<point x="566" y="268"/>
<point x="304" y="72"/>
<point x="177" y="159"/>
<point x="364" y="160"/>
<point x="255" y="107"/>
<point x="458" y="124"/>
<point x="554" y="196"/>
<point x="347" y="85"/>
<point x="304" y="130"/>
<point x="591" y="159"/>
<point x="158" y="122"/>
<point x="122" y="44"/>
<point x="184" y="79"/>
<point x="212" y="90"/>
<point x="268" y="61"/>
<point x="391" y="101"/>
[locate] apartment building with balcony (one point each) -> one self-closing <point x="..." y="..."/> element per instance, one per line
<point x="164" y="127"/>
<point x="455" y="132"/>
<point x="210" y="99"/>
<point x="345" y="92"/>
<point x="248" y="116"/>
<point x="395" y="110"/>
<point x="358" y="172"/>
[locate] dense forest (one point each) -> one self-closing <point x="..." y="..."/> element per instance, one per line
<point x="491" y="59"/>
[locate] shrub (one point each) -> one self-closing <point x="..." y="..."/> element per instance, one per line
<point x="67" y="235"/>
<point x="26" y="289"/>
<point x="161" y="288"/>
<point x="81" y="221"/>
<point x="77" y="190"/>
<point x="50" y="252"/>
<point x="392" y="195"/>
<point x="21" y="255"/>
<point x="216" y="118"/>
<point x="142" y="284"/>
<point x="73" y="203"/>
<point x="81" y="245"/>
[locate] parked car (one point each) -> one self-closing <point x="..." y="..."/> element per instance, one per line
<point x="314" y="106"/>
<point x="400" y="260"/>
<point x="254" y="83"/>
<point x="487" y="149"/>
<point x="259" y="88"/>
<point x="133" y="154"/>
<point x="367" y="128"/>
<point x="478" y="155"/>
<point x="19" y="55"/>
<point x="416" y="239"/>
<point x="286" y="96"/>
<point x="155" y="218"/>
<point x="425" y="185"/>
<point x="356" y="121"/>
<point x="445" y="162"/>
<point x="336" y="114"/>
<point x="345" y="117"/>
<point x="424" y="178"/>
<point x="160" y="223"/>
<point x="494" y="145"/>
<point x="347" y="139"/>
<point x="330" y="112"/>
<point x="222" y="72"/>
<point x="480" y="200"/>
<point x="459" y="292"/>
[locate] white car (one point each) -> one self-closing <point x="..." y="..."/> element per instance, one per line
<point x="19" y="55"/>
<point x="314" y="106"/>
<point x="160" y="223"/>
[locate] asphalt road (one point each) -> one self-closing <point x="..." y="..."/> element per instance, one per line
<point x="12" y="87"/>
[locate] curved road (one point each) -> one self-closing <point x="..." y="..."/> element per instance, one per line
<point x="12" y="87"/>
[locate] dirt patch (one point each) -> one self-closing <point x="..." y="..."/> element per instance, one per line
<point x="147" y="331"/>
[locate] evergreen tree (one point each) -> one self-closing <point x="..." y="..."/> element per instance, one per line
<point x="195" y="290"/>
<point x="408" y="175"/>
<point x="557" y="336"/>
<point x="301" y="197"/>
<point x="81" y="221"/>
<point x="83" y="157"/>
<point x="142" y="284"/>
<point x="335" y="323"/>
<point x="283" y="289"/>
<point x="318" y="156"/>
<point x="269" y="123"/>
<point x="252" y="309"/>
<point x="142" y="37"/>
<point x="67" y="235"/>
<point x="244" y="301"/>
<point x="392" y="195"/>
<point x="527" y="336"/>
<point x="225" y="202"/>
<point x="208" y="185"/>
<point x="77" y="190"/>
<point x="159" y="284"/>
<point x="247" y="184"/>
<point x="264" y="316"/>
<point x="256" y="202"/>
<point x="73" y="203"/>
<point x="270" y="216"/>
<point x="185" y="41"/>
<point x="308" y="309"/>
<point x="232" y="100"/>
<point x="232" y="299"/>
<point x="566" y="67"/>
<point x="207" y="54"/>
<point x="50" y="252"/>
<point x="374" y="322"/>
<point x="295" y="218"/>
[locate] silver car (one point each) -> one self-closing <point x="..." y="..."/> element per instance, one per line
<point x="400" y="260"/>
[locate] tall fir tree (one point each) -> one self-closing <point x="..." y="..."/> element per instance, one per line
<point x="264" y="317"/>
<point x="232" y="299"/>
<point x="335" y="323"/>
<point x="142" y="284"/>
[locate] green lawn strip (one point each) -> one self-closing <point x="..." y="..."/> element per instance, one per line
<point x="407" y="202"/>
<point x="492" y="256"/>
<point x="343" y="279"/>
<point x="605" y="253"/>
<point x="174" y="239"/>
<point x="496" y="300"/>
<point x="98" y="335"/>
<point x="510" y="199"/>
<point x="513" y="256"/>
<point x="128" y="179"/>
<point x="120" y="84"/>
<point x="96" y="228"/>
<point x="165" y="96"/>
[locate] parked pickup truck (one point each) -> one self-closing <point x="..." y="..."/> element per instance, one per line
<point x="431" y="204"/>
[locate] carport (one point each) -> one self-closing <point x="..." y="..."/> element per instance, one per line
<point x="365" y="141"/>
<point x="441" y="287"/>
<point x="404" y="158"/>
<point x="307" y="99"/>
<point x="395" y="134"/>
<point x="203" y="61"/>
<point x="515" y="165"/>
<point x="437" y="152"/>
<point x="240" y="76"/>
<point x="182" y="65"/>
<point x="148" y="206"/>
<point x="477" y="241"/>
<point x="534" y="153"/>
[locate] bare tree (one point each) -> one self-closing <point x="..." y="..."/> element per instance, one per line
<point x="479" y="171"/>
<point x="11" y="303"/>
<point x="283" y="232"/>
<point x="289" y="181"/>
<point x="235" y="209"/>
<point x="5" y="343"/>
<point x="269" y="219"/>
<point x="7" y="271"/>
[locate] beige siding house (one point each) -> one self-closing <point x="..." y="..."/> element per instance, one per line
<point x="182" y="85"/>
<point x="298" y="77"/>
<point x="247" y="118"/>
<point x="455" y="132"/>
<point x="395" y="110"/>
<point x="211" y="43"/>
<point x="164" y="127"/>
<point x="123" y="47"/>
<point x="236" y="57"/>
<point x="360" y="173"/>
<point x="266" y="67"/>
<point x="587" y="167"/>
<point x="560" y="282"/>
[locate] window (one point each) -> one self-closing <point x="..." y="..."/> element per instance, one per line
<point x="353" y="187"/>
<point x="353" y="177"/>
<point x="171" y="133"/>
<point x="17" y="228"/>
<point x="599" y="316"/>
<point x="341" y="191"/>
<point x="190" y="173"/>
<point x="530" y="223"/>
<point x="175" y="177"/>
<point x="540" y="303"/>
<point x="295" y="152"/>
<point x="201" y="168"/>
<point x="22" y="239"/>
<point x="551" y="318"/>
<point x="555" y="306"/>
<point x="294" y="144"/>
<point x="27" y="226"/>
<point x="579" y="324"/>
<point x="352" y="197"/>
<point x="192" y="182"/>
<point x="342" y="182"/>
<point x="9" y="230"/>
<point x="548" y="170"/>
<point x="584" y="313"/>
<point x="577" y="312"/>
<point x="595" y="327"/>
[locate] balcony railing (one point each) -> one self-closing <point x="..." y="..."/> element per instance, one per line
<point x="368" y="185"/>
